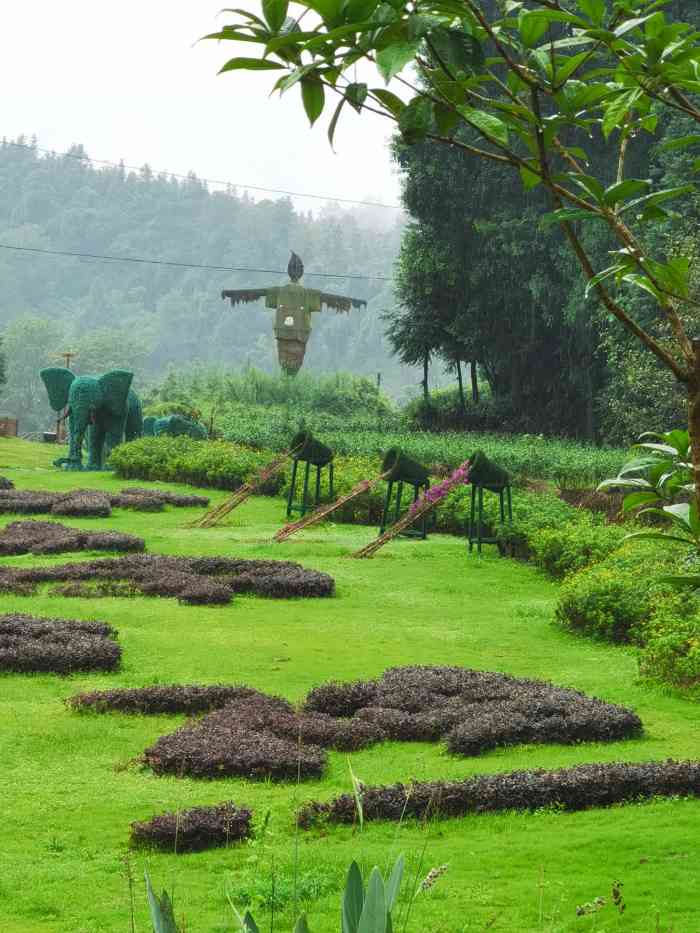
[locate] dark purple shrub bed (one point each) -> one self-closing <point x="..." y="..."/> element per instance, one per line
<point x="83" y="503"/>
<point x="59" y="646"/>
<point x="196" y="829"/>
<point x="92" y="503"/>
<point x="578" y="788"/>
<point x="178" y="499"/>
<point x="249" y="734"/>
<point x="473" y="711"/>
<point x="32" y="537"/>
<point x="161" y="698"/>
<point x="195" y="581"/>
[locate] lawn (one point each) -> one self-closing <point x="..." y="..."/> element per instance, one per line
<point x="71" y="786"/>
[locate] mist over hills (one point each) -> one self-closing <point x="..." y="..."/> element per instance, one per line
<point x="156" y="317"/>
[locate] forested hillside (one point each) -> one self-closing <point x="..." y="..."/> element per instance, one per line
<point x="153" y="317"/>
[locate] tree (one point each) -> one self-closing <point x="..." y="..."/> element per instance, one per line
<point x="526" y="84"/>
<point x="29" y="345"/>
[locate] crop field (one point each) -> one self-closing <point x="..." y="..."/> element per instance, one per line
<point x="566" y="462"/>
<point x="73" y="782"/>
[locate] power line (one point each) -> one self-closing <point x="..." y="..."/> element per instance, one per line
<point x="185" y="265"/>
<point x="209" y="181"/>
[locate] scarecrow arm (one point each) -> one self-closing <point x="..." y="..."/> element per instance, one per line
<point x="340" y="303"/>
<point x="244" y="295"/>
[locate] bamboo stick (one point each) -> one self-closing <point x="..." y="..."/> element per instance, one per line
<point x="322" y="511"/>
<point x="213" y="516"/>
<point x="427" y="502"/>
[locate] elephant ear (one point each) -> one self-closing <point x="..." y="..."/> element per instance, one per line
<point x="115" y="390"/>
<point x="58" y="382"/>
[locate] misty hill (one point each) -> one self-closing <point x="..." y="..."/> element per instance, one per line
<point x="154" y="317"/>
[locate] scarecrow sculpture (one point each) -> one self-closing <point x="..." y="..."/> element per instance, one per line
<point x="294" y="304"/>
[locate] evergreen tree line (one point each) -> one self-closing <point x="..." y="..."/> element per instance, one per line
<point x="482" y="277"/>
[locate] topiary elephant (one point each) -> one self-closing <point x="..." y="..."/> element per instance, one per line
<point x="173" y="426"/>
<point x="103" y="408"/>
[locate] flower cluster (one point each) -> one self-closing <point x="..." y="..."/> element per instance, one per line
<point x="433" y="495"/>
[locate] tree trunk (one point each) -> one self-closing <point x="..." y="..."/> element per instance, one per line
<point x="462" y="401"/>
<point x="426" y="394"/>
<point x="475" y="382"/>
<point x="694" y="419"/>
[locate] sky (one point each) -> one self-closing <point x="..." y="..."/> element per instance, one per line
<point x="129" y="81"/>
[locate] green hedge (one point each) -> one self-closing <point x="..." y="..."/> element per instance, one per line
<point x="671" y="650"/>
<point x="184" y="460"/>
<point x="616" y="598"/>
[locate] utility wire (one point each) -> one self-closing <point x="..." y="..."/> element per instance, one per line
<point x="210" y="181"/>
<point x="185" y="265"/>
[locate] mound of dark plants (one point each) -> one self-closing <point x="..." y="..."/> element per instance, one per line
<point x="473" y="711"/>
<point x="577" y="788"/>
<point x="161" y="698"/>
<point x="32" y="537"/>
<point x="6" y="483"/>
<point x="249" y="734"/>
<point x="61" y="646"/>
<point x="181" y="500"/>
<point x="91" y="503"/>
<point x="195" y="581"/>
<point x="196" y="829"/>
<point x="83" y="504"/>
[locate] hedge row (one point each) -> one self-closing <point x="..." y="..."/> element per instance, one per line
<point x="577" y="788"/>
<point x="195" y="581"/>
<point x="252" y="735"/>
<point x="196" y="829"/>
<point x="60" y="646"/>
<point x="92" y="503"/>
<point x="32" y="537"/>
<point x="160" y="699"/>
<point x="201" y="463"/>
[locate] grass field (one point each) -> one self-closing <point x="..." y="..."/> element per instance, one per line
<point x="70" y="787"/>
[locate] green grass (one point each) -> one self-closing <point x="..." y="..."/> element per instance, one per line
<point x="70" y="786"/>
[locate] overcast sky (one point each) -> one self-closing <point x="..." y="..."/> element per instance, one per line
<point x="128" y="81"/>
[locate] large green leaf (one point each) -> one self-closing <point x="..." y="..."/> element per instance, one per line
<point x="392" y="59"/>
<point x="594" y="9"/>
<point x="334" y="121"/>
<point x="629" y="188"/>
<point x="394" y="884"/>
<point x="250" y="64"/>
<point x="617" y="109"/>
<point x="275" y="12"/>
<point x="389" y="100"/>
<point x="313" y="97"/>
<point x="491" y="126"/>
<point x="353" y="900"/>
<point x="458" y="50"/>
<point x="374" y="911"/>
<point x="161" y="910"/>
<point x="356" y="95"/>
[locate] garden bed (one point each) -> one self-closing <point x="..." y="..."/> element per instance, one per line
<point x="32" y="537"/>
<point x="59" y="646"/>
<point x="192" y="580"/>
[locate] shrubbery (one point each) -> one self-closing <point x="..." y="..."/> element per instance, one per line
<point x="92" y="503"/>
<point x="60" y="646"/>
<point x="577" y="788"/>
<point x="200" y="463"/>
<point x="196" y="829"/>
<point x="160" y="698"/>
<point x="195" y="581"/>
<point x="615" y="598"/>
<point x="671" y="644"/>
<point x="54" y="538"/>
<point x="565" y="548"/>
